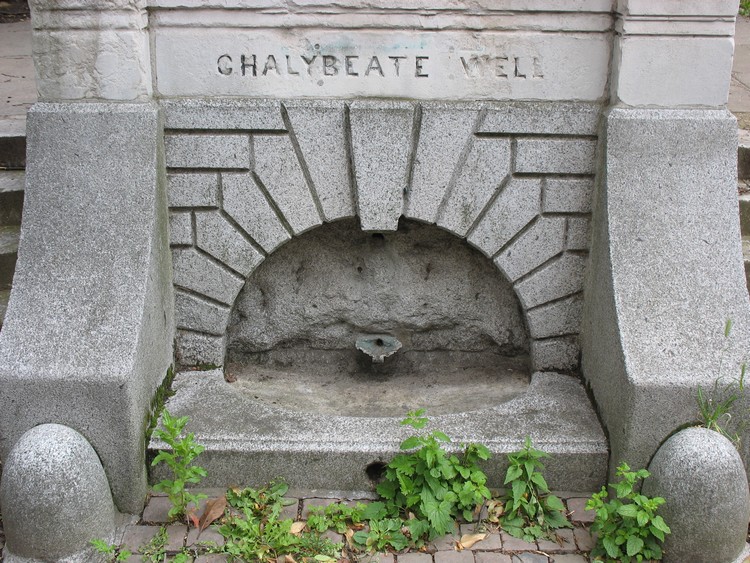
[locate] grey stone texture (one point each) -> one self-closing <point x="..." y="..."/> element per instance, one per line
<point x="665" y="273"/>
<point x="568" y="195"/>
<point x="54" y="496"/>
<point x="319" y="129"/>
<point x="578" y="233"/>
<point x="540" y="242"/>
<point x="88" y="333"/>
<point x="220" y="239"/>
<point x="381" y="145"/>
<point x="207" y="151"/>
<point x="249" y="207"/>
<point x="197" y="348"/>
<point x="541" y="118"/>
<point x="197" y="272"/>
<point x="181" y="228"/>
<point x="561" y="277"/>
<point x="200" y="189"/>
<point x="486" y="166"/>
<point x="223" y="114"/>
<point x="557" y="318"/>
<point x="555" y="353"/>
<point x="197" y="313"/>
<point x="700" y="475"/>
<point x="555" y="156"/>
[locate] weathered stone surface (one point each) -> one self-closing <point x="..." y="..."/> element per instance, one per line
<point x="219" y="238"/>
<point x="193" y="189"/>
<point x="88" y="333"/>
<point x="196" y="348"/>
<point x="319" y="129"/>
<point x="55" y="497"/>
<point x="541" y="118"/>
<point x="560" y="354"/>
<point x="701" y="476"/>
<point x="515" y="207"/>
<point x="443" y="135"/>
<point x="207" y="151"/>
<point x="194" y="313"/>
<point x="559" y="278"/>
<point x="568" y="195"/>
<point x="555" y="156"/>
<point x="276" y="165"/>
<point x="181" y="228"/>
<point x="486" y="166"/>
<point x="544" y="239"/>
<point x="246" y="204"/>
<point x="194" y="271"/>
<point x="381" y="137"/>
<point x="555" y="319"/>
<point x="224" y="114"/>
<point x="578" y="233"/>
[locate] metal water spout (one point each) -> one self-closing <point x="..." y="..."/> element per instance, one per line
<point x="378" y="346"/>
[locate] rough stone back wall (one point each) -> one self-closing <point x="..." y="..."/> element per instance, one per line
<point x="515" y="180"/>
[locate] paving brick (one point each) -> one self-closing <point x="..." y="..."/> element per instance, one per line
<point x="567" y="542"/>
<point x="193" y="189"/>
<point x="381" y="138"/>
<point x="514" y="208"/>
<point x="290" y="510"/>
<point x="414" y="558"/>
<point x="454" y="557"/>
<point x="578" y="512"/>
<point x="491" y="542"/>
<point x="486" y="166"/>
<point x="215" y="235"/>
<point x="557" y="318"/>
<point x="192" y="270"/>
<point x="180" y="227"/>
<point x="209" y="535"/>
<point x="570" y="558"/>
<point x="491" y="557"/>
<point x="529" y="558"/>
<point x="584" y="540"/>
<point x="568" y="195"/>
<point x="318" y="126"/>
<point x="156" y="509"/>
<point x="207" y="151"/>
<point x="442" y="138"/>
<point x="556" y="156"/>
<point x="176" y="537"/>
<point x="211" y="558"/>
<point x="136" y="536"/>
<point x="277" y="166"/>
<point x="515" y="544"/>
<point x="378" y="558"/>
<point x="446" y="542"/>
<point x="246" y="204"/>
<point x="543" y="240"/>
<point x="308" y="502"/>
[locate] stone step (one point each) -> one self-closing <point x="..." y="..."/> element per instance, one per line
<point x="11" y="196"/>
<point x="9" y="236"/>
<point x="250" y="442"/>
<point x="12" y="144"/>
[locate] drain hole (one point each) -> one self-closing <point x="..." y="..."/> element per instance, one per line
<point x="375" y="471"/>
<point x="378" y="236"/>
<point x="379" y="342"/>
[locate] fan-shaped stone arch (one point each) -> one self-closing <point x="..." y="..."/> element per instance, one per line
<point x="513" y="179"/>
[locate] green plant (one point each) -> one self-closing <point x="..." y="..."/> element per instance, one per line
<point x="383" y="534"/>
<point x="254" y="531"/>
<point x="627" y="526"/>
<point x="432" y="484"/>
<point x="113" y="551"/>
<point x="163" y="392"/>
<point x="716" y="406"/>
<point x="155" y="551"/>
<point x="180" y="461"/>
<point x="744" y="8"/>
<point x="530" y="512"/>
<point x="336" y="516"/>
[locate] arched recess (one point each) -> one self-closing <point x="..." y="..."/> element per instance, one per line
<point x="513" y="179"/>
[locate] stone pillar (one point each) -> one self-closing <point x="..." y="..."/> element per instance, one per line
<point x="666" y="264"/>
<point x="89" y="329"/>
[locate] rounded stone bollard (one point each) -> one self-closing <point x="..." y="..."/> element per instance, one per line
<point x="54" y="496"/>
<point x="701" y="476"/>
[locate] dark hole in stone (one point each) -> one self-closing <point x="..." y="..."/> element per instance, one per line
<point x="375" y="471"/>
<point x="378" y="236"/>
<point x="379" y="342"/>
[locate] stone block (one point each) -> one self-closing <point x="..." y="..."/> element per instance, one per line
<point x="195" y="348"/>
<point x="55" y="496"/>
<point x="491" y="542"/>
<point x="566" y="543"/>
<point x="454" y="557"/>
<point x="196" y="272"/>
<point x="444" y="134"/>
<point x="220" y="239"/>
<point x="555" y="354"/>
<point x="89" y="329"/>
<point x="584" y="539"/>
<point x="567" y="195"/>
<point x="230" y="151"/>
<point x="276" y="165"/>
<point x="194" y="313"/>
<point x="543" y="240"/>
<point x="249" y="207"/>
<point x="515" y="544"/>
<point x="557" y="279"/>
<point x="491" y="557"/>
<point x="181" y="228"/>
<point x="515" y="207"/>
<point x="381" y="138"/>
<point x="578" y="512"/>
<point x="138" y="536"/>
<point x="319" y="128"/>
<point x="197" y="189"/>
<point x="482" y="175"/>
<point x="226" y="115"/>
<point x="414" y="557"/>
<point x="156" y="511"/>
<point x="556" y="319"/>
<point x="700" y="475"/>
<point x="541" y="118"/>
<point x="578" y="233"/>
<point x="555" y="156"/>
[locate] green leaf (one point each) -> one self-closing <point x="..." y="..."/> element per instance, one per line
<point x="554" y="503"/>
<point x="514" y="472"/>
<point x="628" y="510"/>
<point x="612" y="550"/>
<point x="441" y="436"/>
<point x="634" y="545"/>
<point x="411" y="443"/>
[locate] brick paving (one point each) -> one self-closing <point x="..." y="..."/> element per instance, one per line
<point x="497" y="547"/>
